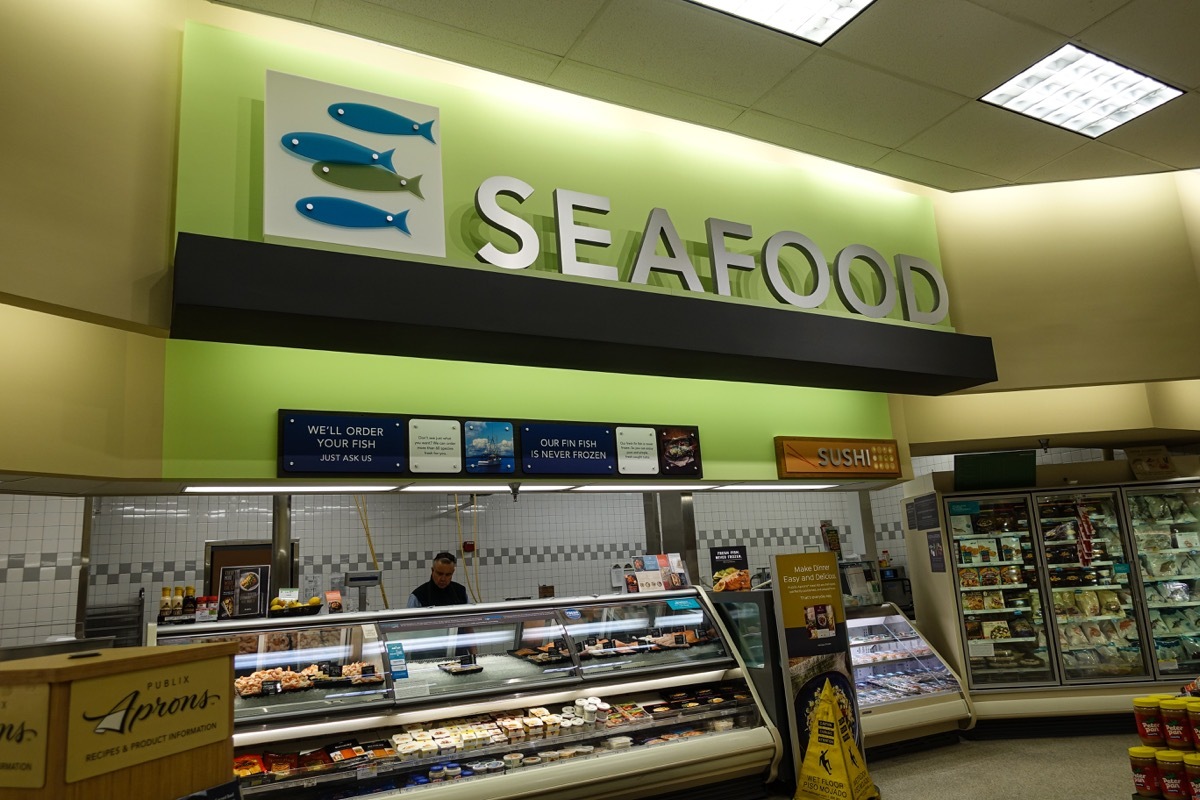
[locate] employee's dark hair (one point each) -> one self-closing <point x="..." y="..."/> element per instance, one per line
<point x="445" y="557"/>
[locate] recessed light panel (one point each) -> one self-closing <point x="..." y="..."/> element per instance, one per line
<point x="284" y="488"/>
<point x="1082" y="92"/>
<point x="811" y="20"/>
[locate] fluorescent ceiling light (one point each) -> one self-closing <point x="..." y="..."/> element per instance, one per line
<point x="546" y="487"/>
<point x="811" y="20"/>
<point x="458" y="488"/>
<point x="283" y="488"/>
<point x="645" y="487"/>
<point x="1081" y="91"/>
<point x="775" y="487"/>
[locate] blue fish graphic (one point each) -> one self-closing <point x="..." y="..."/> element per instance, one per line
<point x="323" y="147"/>
<point x="374" y="119"/>
<point x="351" y="213"/>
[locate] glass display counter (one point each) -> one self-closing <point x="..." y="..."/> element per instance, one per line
<point x="565" y="698"/>
<point x="904" y="687"/>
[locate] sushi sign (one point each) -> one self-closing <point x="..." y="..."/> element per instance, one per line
<point x="353" y="168"/>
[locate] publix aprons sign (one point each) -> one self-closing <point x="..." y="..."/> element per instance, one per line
<point x="354" y="168"/>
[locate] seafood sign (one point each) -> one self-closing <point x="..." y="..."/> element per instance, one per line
<point x="323" y="147"/>
<point x="332" y="152"/>
<point x="351" y="213"/>
<point x="374" y="119"/>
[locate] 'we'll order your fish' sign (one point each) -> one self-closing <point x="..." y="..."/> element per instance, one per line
<point x="360" y="169"/>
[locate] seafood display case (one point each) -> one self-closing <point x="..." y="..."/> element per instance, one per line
<point x="905" y="688"/>
<point x="1165" y="521"/>
<point x="562" y="697"/>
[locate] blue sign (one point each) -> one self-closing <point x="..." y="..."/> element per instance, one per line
<point x="572" y="613"/>
<point x="395" y="651"/>
<point x="567" y="449"/>
<point x="962" y="507"/>
<point x="682" y="605"/>
<point x="322" y="443"/>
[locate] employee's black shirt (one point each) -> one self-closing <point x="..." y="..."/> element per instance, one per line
<point x="428" y="594"/>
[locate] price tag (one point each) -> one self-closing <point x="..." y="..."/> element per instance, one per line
<point x="1169" y="664"/>
<point x="289" y="594"/>
<point x="367" y="771"/>
<point x="981" y="648"/>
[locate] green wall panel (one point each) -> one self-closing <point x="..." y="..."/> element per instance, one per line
<point x="483" y="135"/>
<point x="221" y="402"/>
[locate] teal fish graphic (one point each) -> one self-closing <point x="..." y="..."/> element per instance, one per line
<point x="323" y="147"/>
<point x="366" y="178"/>
<point x="374" y="119"/>
<point x="351" y="213"/>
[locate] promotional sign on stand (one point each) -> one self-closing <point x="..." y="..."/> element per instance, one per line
<point x="825" y="732"/>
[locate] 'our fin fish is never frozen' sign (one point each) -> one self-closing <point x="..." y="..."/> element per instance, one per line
<point x="834" y="767"/>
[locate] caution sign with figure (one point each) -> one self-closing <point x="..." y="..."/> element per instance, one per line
<point x="833" y="768"/>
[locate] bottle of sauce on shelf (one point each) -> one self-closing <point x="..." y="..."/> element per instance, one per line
<point x="189" y="602"/>
<point x="884" y="560"/>
<point x="177" y="602"/>
<point x="164" y="604"/>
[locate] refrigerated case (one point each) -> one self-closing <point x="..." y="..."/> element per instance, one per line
<point x="905" y="688"/>
<point x="622" y="697"/>
<point x="1165" y="521"/>
<point x="1000" y="602"/>
<point x="1083" y="544"/>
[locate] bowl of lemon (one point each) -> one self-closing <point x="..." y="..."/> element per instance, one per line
<point x="294" y="608"/>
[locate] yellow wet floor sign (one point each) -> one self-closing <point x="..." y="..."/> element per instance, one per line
<point x="833" y="767"/>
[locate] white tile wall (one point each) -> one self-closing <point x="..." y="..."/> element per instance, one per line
<point x="568" y="541"/>
<point x="39" y="567"/>
<point x="771" y="522"/>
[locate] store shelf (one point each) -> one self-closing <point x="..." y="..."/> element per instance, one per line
<point x="1088" y="587"/>
<point x="1185" y="604"/>
<point x="1169" y="550"/>
<point x="978" y="564"/>
<point x="904" y="657"/>
<point x="993" y="588"/>
<point x="1156" y="578"/>
<point x="970" y="612"/>
<point x="1154" y="635"/>
<point x="1081" y="564"/>
<point x="888" y="640"/>
<point x="997" y="670"/>
<point x="967" y="537"/>
<point x="1013" y="639"/>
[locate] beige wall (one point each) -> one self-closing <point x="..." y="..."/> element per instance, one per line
<point x="79" y="398"/>
<point x="1081" y="283"/>
<point x="1089" y="282"/>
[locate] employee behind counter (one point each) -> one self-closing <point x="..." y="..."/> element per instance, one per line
<point x="440" y="589"/>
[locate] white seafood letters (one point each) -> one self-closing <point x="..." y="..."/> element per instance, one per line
<point x="898" y="286"/>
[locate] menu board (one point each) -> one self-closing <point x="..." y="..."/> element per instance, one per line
<point x="730" y="568"/>
<point x="243" y="592"/>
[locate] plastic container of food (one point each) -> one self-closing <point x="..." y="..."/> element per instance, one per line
<point x="1144" y="763"/>
<point x="1176" y="728"/>
<point x="1148" y="721"/>
<point x="619" y="742"/>
<point x="1172" y="779"/>
<point x="512" y="760"/>
<point x="1191" y="767"/>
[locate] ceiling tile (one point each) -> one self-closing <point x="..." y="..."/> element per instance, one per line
<point x="932" y="173"/>
<point x="300" y="9"/>
<point x="948" y="43"/>
<point x="831" y="93"/>
<point x="384" y="25"/>
<point x="1093" y="160"/>
<point x="1067" y="17"/>
<point x="551" y="26"/>
<point x="690" y="48"/>
<point x="993" y="141"/>
<point x="806" y="139"/>
<point x="1164" y="134"/>
<point x="613" y="87"/>
<point x="1155" y="36"/>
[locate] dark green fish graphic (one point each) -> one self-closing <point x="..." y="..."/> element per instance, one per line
<point x="366" y="177"/>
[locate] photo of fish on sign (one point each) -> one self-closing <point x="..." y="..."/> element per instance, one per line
<point x="350" y="167"/>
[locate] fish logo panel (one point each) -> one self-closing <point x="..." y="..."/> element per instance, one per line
<point x="350" y="167"/>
